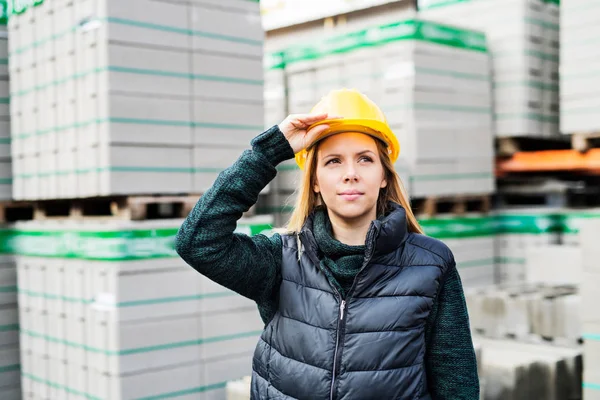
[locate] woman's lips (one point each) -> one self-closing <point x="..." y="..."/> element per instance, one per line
<point x="350" y="195"/>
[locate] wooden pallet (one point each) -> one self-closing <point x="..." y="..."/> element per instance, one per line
<point x="436" y="205"/>
<point x="507" y="146"/>
<point x="584" y="141"/>
<point x="132" y="208"/>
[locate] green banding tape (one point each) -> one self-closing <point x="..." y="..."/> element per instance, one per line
<point x="572" y="221"/>
<point x="123" y="245"/>
<point x="143" y="25"/>
<point x="138" y="121"/>
<point x="5" y="140"/>
<point x="199" y="389"/>
<point x="138" y="71"/>
<point x="511" y="260"/>
<point x="190" y="32"/>
<point x="58" y="386"/>
<point x="134" y="303"/>
<point x="8" y="289"/>
<point x="529" y="224"/>
<point x="6" y="181"/>
<point x="592" y="336"/>
<point x="593" y="386"/>
<point x="147" y="349"/>
<point x="3" y="61"/>
<point x="4" y="100"/>
<point x="383" y="34"/>
<point x="8" y="328"/>
<point x="49" y="296"/>
<point x="458" y="228"/>
<point x="10" y="368"/>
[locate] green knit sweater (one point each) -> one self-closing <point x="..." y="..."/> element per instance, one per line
<point x="251" y="266"/>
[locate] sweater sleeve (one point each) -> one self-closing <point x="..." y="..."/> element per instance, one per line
<point x="450" y="356"/>
<point x="206" y="240"/>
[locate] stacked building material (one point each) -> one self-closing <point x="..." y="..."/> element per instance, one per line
<point x="514" y="370"/>
<point x="528" y="312"/>
<point x="472" y="240"/>
<point x="10" y="380"/>
<point x="589" y="234"/>
<point x="579" y="58"/>
<point x="517" y="231"/>
<point x="423" y="75"/>
<point x="523" y="42"/>
<point x="136" y="97"/>
<point x="109" y="311"/>
<point x="5" y="154"/>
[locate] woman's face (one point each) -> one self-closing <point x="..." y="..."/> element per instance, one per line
<point x="349" y="174"/>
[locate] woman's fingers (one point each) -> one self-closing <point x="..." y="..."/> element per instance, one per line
<point x="315" y="132"/>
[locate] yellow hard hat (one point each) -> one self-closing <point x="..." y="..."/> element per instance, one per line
<point x="359" y="114"/>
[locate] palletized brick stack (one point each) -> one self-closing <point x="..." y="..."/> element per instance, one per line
<point x="130" y="97"/>
<point x="579" y="66"/>
<point x="590" y="293"/>
<point x="5" y="155"/>
<point x="109" y="311"/>
<point x="523" y="39"/>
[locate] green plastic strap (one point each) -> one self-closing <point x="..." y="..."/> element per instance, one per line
<point x="132" y="244"/>
<point x="458" y="228"/>
<point x="379" y="35"/>
<point x="169" y="395"/>
<point x="147" y="349"/>
<point x="593" y="386"/>
<point x="15" y="7"/>
<point x="3" y="12"/>
<point x="10" y="368"/>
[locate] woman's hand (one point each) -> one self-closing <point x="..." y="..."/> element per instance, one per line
<point x="295" y="129"/>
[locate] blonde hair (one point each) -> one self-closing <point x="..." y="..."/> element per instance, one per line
<point x="307" y="199"/>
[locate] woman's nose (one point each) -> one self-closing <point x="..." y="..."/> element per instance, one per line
<point x="350" y="175"/>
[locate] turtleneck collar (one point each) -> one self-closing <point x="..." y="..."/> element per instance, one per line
<point x="391" y="230"/>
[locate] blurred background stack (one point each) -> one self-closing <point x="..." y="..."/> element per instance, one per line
<point x="117" y="115"/>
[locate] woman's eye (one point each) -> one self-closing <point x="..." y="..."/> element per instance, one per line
<point x="332" y="160"/>
<point x="366" y="158"/>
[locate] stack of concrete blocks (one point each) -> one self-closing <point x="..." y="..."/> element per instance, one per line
<point x="472" y="240"/>
<point x="518" y="230"/>
<point x="398" y="66"/>
<point x="513" y="370"/>
<point x="5" y="154"/>
<point x="579" y="58"/>
<point x="590" y="293"/>
<point x="528" y="312"/>
<point x="143" y="96"/>
<point x="572" y="221"/>
<point x="109" y="311"/>
<point x="523" y="41"/>
<point x="239" y="389"/>
<point x="10" y="378"/>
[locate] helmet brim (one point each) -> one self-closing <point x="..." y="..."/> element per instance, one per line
<point x="376" y="129"/>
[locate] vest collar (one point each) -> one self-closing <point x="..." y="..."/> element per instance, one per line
<point x="388" y="233"/>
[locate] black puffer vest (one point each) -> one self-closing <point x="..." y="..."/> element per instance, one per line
<point x="369" y="345"/>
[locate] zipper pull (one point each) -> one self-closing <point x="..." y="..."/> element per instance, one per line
<point x="342" y="307"/>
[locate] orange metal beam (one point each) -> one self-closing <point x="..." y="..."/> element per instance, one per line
<point x="550" y="160"/>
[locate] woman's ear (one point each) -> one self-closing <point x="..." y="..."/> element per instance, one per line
<point x="316" y="188"/>
<point x="383" y="183"/>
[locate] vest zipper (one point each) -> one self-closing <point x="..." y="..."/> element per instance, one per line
<point x="341" y="322"/>
<point x="337" y="344"/>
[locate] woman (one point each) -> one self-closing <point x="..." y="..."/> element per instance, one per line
<point x="357" y="302"/>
